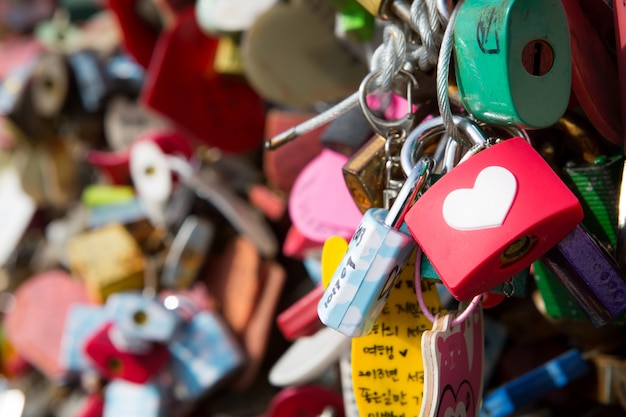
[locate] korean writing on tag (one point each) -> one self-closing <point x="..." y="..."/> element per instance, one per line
<point x="387" y="368"/>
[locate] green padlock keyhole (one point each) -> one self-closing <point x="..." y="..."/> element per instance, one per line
<point x="513" y="61"/>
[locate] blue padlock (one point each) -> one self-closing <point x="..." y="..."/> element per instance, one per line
<point x="81" y="322"/>
<point x="377" y="253"/>
<point x="203" y="354"/>
<point x="122" y="398"/>
<point x="142" y="318"/>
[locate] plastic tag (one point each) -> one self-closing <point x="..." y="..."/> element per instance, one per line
<point x="453" y="366"/>
<point x="320" y="182"/>
<point x="309" y="358"/>
<point x="387" y="368"/>
<point x="35" y="325"/>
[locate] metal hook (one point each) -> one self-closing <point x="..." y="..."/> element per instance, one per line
<point x="386" y="128"/>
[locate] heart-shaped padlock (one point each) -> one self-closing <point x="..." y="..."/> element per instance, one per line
<point x="492" y="215"/>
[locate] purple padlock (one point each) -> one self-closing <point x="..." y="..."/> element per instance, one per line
<point x="590" y="275"/>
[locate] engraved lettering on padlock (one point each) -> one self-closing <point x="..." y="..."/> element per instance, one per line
<point x="377" y="253"/>
<point x="337" y="284"/>
<point x="487" y="39"/>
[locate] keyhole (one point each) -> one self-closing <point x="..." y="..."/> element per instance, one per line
<point x="140" y="317"/>
<point x="517" y="250"/>
<point x="48" y="84"/>
<point x="537" y="57"/>
<point x="114" y="364"/>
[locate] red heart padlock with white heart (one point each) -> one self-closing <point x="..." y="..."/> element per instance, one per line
<point x="492" y="215"/>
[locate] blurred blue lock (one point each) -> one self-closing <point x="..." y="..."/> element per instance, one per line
<point x="140" y="317"/>
<point x="204" y="353"/>
<point x="81" y="322"/>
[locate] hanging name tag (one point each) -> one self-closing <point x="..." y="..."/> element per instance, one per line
<point x="387" y="369"/>
<point x="453" y="366"/>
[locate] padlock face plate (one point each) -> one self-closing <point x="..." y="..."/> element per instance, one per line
<point x="361" y="284"/>
<point x="513" y="61"/>
<point x="480" y="230"/>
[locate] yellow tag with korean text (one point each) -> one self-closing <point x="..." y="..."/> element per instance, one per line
<point x="387" y="366"/>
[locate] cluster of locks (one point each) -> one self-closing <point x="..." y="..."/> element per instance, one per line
<point x="359" y="208"/>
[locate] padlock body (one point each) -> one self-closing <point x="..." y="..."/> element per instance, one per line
<point x="361" y="284"/>
<point x="80" y="323"/>
<point x="513" y="61"/>
<point x="204" y="353"/>
<point x="139" y="317"/>
<point x="113" y="363"/>
<point x="492" y="228"/>
<point x="590" y="275"/>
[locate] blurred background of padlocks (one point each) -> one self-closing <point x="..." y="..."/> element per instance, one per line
<point x="225" y="207"/>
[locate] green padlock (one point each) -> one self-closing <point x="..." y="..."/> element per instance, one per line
<point x="593" y="171"/>
<point x="513" y="61"/>
<point x="597" y="187"/>
<point x="558" y="303"/>
<point x="354" y="20"/>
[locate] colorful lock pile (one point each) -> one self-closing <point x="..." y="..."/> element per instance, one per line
<point x="303" y="208"/>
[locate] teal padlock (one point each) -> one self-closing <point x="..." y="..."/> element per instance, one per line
<point x="513" y="61"/>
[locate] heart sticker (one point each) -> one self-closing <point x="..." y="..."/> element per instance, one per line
<point x="484" y="206"/>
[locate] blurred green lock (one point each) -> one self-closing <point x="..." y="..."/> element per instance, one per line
<point x="354" y="20"/>
<point x="513" y="61"/>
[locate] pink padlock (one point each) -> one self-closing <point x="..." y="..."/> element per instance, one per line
<point x="492" y="215"/>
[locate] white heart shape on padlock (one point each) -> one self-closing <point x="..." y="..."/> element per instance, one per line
<point x="484" y="206"/>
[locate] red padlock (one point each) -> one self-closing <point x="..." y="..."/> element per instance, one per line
<point x="114" y="363"/>
<point x="181" y="84"/>
<point x="139" y="36"/>
<point x="492" y="216"/>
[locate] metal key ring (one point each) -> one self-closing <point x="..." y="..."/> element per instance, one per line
<point x="381" y="126"/>
<point x="435" y="127"/>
